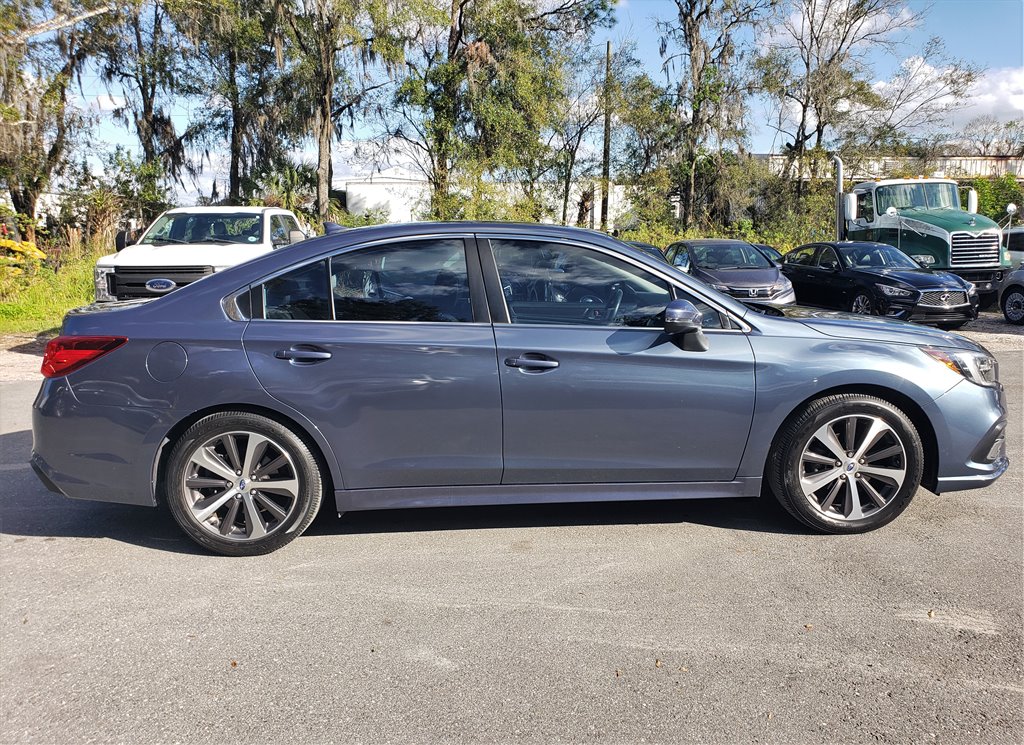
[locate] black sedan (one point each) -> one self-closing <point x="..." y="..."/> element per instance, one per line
<point x="878" y="279"/>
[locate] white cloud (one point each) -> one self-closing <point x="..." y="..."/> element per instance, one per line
<point x="999" y="93"/>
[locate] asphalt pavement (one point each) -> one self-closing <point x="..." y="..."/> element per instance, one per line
<point x="635" y="622"/>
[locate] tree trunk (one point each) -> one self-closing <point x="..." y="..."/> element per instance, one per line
<point x="235" y="169"/>
<point x="323" y="125"/>
<point x="24" y="199"/>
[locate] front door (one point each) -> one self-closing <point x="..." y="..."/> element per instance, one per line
<point x="592" y="389"/>
<point x="385" y="349"/>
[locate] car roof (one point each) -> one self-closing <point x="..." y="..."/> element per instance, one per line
<point x="846" y="244"/>
<point x="714" y="242"/>
<point x="223" y="209"/>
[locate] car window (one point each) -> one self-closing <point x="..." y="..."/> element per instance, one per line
<point x="290" y="224"/>
<point x="865" y="206"/>
<point x="801" y="256"/>
<point x="278" y="231"/>
<point x="827" y="259"/>
<point x="558" y="283"/>
<point x="299" y="295"/>
<point x="1015" y="241"/>
<point x="409" y="281"/>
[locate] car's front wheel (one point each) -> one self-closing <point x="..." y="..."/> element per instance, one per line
<point x="1013" y="305"/>
<point x="846" y="464"/>
<point x="242" y="484"/>
<point x="862" y="304"/>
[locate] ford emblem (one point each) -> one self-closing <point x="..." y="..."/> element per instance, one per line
<point x="161" y="285"/>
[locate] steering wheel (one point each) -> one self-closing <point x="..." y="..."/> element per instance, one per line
<point x="612" y="306"/>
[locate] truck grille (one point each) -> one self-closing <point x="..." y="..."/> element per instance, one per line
<point x="130" y="281"/>
<point x="974" y="250"/>
<point x="943" y="298"/>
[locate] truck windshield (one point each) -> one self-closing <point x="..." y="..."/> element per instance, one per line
<point x="205" y="227"/>
<point x="920" y="196"/>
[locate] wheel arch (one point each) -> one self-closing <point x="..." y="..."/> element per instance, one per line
<point x="167" y="445"/>
<point x="906" y="404"/>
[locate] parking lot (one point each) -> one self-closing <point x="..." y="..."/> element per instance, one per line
<point x="660" y="622"/>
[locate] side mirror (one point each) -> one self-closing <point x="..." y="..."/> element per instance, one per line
<point x="1011" y="209"/>
<point x="892" y="212"/>
<point x="850" y="206"/>
<point x="295" y="236"/>
<point x="683" y="320"/>
<point x="972" y="201"/>
<point x="682" y="261"/>
<point x="120" y="240"/>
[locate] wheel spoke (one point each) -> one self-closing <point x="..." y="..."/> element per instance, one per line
<point x="893" y="476"/>
<point x="812" y="457"/>
<point x="271" y="467"/>
<point x="831" y="497"/>
<point x="201" y="482"/>
<point x="872" y="492"/>
<point x="229" y="519"/>
<point x="254" y="526"/>
<point x="811" y="484"/>
<point x="209" y="460"/>
<point x="851" y="505"/>
<point x="875" y="432"/>
<point x="828" y="438"/>
<point x="851" y="433"/>
<point x="254" y="451"/>
<point x="204" y="508"/>
<point x="271" y="506"/>
<point x="890" y="451"/>
<point x="289" y="487"/>
<point x="231" y="446"/>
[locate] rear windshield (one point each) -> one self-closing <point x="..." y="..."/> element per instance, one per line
<point x="205" y="227"/>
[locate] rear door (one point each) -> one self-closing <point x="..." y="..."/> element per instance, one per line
<point x="592" y="389"/>
<point x="388" y="350"/>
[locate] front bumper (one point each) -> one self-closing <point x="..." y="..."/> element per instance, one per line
<point x="929" y="314"/>
<point x="971" y="433"/>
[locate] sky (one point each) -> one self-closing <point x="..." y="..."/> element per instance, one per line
<point x="988" y="33"/>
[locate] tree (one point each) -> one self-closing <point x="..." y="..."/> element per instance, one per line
<point x="704" y="40"/>
<point x="988" y="136"/>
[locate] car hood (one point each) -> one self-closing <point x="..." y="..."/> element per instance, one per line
<point x="870" y="328"/>
<point x="919" y="278"/>
<point x="738" y="277"/>
<point x="950" y="220"/>
<point x="217" y="255"/>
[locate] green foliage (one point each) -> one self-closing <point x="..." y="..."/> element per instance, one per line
<point x="995" y="194"/>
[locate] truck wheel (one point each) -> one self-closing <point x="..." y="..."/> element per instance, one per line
<point x="847" y="463"/>
<point x="862" y="304"/>
<point x="1013" y="305"/>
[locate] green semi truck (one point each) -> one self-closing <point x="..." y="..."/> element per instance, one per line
<point x="924" y="218"/>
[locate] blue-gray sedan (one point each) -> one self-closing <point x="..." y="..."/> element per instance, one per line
<point x="467" y="363"/>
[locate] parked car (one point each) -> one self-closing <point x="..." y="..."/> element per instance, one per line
<point x="878" y="279"/>
<point x="488" y="363"/>
<point x="189" y="243"/>
<point x="648" y="249"/>
<point x="736" y="268"/>
<point x="1013" y="242"/>
<point x="1011" y="297"/>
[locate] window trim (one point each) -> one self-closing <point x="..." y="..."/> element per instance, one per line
<point x="503" y="317"/>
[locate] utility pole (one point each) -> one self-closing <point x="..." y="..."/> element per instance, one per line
<point x="607" y="136"/>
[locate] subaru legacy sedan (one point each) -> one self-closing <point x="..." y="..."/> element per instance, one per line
<point x="468" y="363"/>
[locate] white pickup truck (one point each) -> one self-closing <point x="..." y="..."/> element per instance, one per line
<point x="188" y="243"/>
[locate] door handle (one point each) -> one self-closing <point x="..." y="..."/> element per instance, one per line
<point x="532" y="361"/>
<point x="303" y="354"/>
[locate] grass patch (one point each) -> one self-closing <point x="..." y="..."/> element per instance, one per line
<point x="41" y="302"/>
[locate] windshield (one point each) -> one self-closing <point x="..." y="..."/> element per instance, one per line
<point x="877" y="257"/>
<point x="205" y="227"/>
<point x="919" y="196"/>
<point x="729" y="256"/>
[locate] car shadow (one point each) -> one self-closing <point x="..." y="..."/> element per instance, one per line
<point x="28" y="510"/>
<point x="37" y="346"/>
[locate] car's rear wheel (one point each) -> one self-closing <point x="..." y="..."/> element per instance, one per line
<point x="846" y="464"/>
<point x="242" y="484"/>
<point x="862" y="304"/>
<point x="1013" y="305"/>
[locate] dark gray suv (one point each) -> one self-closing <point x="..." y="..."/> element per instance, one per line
<point x="471" y="363"/>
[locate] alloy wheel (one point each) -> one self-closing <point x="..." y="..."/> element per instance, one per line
<point x="241" y="485"/>
<point x="862" y="304"/>
<point x="852" y="466"/>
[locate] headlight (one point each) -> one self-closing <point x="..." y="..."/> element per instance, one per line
<point x="977" y="367"/>
<point x="100" y="280"/>
<point x="926" y="259"/>
<point x="971" y="289"/>
<point x="893" y="291"/>
<point x="720" y="288"/>
<point x="783" y="285"/>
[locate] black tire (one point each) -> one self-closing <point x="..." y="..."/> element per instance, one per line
<point x="786" y="464"/>
<point x="862" y="300"/>
<point x="987" y="300"/>
<point x="1012" y="305"/>
<point x="299" y="470"/>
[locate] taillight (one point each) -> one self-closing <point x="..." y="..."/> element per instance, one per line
<point x="65" y="354"/>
